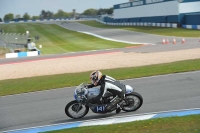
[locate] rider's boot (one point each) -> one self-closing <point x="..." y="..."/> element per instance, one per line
<point x="118" y="110"/>
<point x="120" y="105"/>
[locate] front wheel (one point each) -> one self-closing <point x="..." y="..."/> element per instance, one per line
<point x="76" y="110"/>
<point x="134" y="100"/>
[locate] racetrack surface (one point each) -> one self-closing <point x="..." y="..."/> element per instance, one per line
<point x="160" y="93"/>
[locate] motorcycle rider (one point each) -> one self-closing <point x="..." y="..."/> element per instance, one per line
<point x="110" y="84"/>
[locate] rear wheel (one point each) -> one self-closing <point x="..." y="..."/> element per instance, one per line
<point x="76" y="110"/>
<point x="134" y="100"/>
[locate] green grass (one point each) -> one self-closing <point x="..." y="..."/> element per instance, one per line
<point x="16" y="86"/>
<point x="3" y="51"/>
<point x="184" y="124"/>
<point x="179" y="32"/>
<point x="56" y="39"/>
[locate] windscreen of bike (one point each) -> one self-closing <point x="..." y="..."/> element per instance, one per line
<point x="81" y="90"/>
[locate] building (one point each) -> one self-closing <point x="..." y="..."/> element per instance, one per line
<point x="182" y="12"/>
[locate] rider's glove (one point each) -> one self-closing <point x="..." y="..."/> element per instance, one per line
<point x="86" y="86"/>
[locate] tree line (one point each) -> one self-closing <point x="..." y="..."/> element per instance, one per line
<point x="59" y="14"/>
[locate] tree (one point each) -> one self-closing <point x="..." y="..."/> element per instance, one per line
<point x="8" y="17"/>
<point x="0" y="20"/>
<point x="26" y="16"/>
<point x="105" y="11"/>
<point x="90" y="12"/>
<point x="49" y="14"/>
<point x="35" y="17"/>
<point x="71" y="14"/>
<point x="46" y="14"/>
<point x="43" y="14"/>
<point x="110" y="11"/>
<point x="18" y="16"/>
<point x="61" y="14"/>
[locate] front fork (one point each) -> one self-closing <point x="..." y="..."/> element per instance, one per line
<point x="78" y="108"/>
<point x="80" y="103"/>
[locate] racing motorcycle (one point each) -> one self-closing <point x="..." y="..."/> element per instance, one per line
<point x="79" y="107"/>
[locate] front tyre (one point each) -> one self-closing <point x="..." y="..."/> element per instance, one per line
<point x="76" y="110"/>
<point x="134" y="100"/>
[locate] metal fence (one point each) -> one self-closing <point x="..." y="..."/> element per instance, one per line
<point x="11" y="41"/>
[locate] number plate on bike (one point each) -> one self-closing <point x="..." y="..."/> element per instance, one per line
<point x="100" y="109"/>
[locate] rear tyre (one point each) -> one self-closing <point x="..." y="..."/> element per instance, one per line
<point x="134" y="100"/>
<point x="76" y="110"/>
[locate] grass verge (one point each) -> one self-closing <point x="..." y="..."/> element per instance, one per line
<point x="16" y="86"/>
<point x="184" y="124"/>
<point x="55" y="39"/>
<point x="179" y="32"/>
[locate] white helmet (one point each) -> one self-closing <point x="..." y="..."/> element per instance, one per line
<point x="95" y="76"/>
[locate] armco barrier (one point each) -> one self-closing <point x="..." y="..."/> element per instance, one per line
<point x="172" y="25"/>
<point x="191" y="27"/>
<point x="23" y="54"/>
<point x="106" y="121"/>
<point x="44" y="20"/>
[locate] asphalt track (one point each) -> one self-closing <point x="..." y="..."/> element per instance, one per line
<point x="160" y="93"/>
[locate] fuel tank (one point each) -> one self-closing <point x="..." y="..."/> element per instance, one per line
<point x="93" y="92"/>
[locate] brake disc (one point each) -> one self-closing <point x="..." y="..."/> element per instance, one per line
<point x="130" y="102"/>
<point x="75" y="107"/>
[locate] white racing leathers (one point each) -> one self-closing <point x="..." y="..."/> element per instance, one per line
<point x="112" y="85"/>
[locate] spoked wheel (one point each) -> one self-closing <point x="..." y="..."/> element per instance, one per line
<point x="134" y="100"/>
<point x="76" y="110"/>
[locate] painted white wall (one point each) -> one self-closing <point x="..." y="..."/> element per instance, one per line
<point x="158" y="9"/>
<point x="11" y="55"/>
<point x="32" y="53"/>
<point x="189" y="7"/>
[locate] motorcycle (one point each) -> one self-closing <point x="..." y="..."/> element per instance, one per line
<point x="79" y="107"/>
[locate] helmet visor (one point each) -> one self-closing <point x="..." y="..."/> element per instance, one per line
<point x="93" y="80"/>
